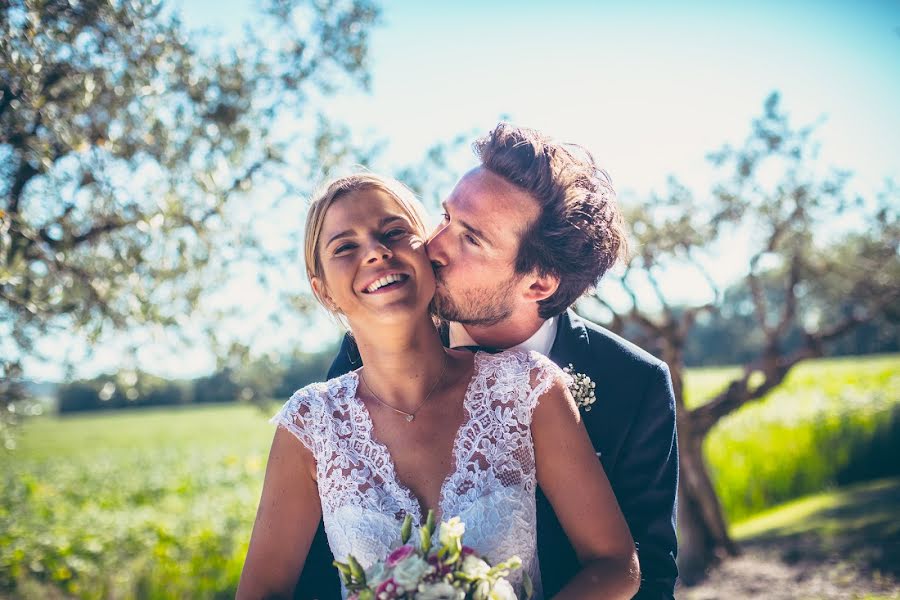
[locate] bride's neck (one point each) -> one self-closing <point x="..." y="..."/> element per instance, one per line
<point x="402" y="362"/>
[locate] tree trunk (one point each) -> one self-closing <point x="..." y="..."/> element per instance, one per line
<point x="703" y="534"/>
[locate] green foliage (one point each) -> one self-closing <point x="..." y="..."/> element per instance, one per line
<point x="241" y="378"/>
<point x="125" y="142"/>
<point x="159" y="503"/>
<point x="807" y="435"/>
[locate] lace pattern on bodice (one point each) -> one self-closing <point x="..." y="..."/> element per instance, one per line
<point x="491" y="486"/>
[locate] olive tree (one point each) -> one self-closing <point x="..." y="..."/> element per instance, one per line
<point x="127" y="142"/>
<point x="813" y="250"/>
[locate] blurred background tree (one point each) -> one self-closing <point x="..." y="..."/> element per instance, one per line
<point x="124" y="144"/>
<point x="811" y="280"/>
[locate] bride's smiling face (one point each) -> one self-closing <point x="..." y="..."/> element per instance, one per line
<point x="373" y="260"/>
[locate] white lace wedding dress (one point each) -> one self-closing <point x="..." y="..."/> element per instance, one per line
<point x="491" y="487"/>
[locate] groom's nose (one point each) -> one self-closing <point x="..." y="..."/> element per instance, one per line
<point x="435" y="247"/>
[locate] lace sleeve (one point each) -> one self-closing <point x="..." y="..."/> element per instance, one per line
<point x="299" y="416"/>
<point x="543" y="373"/>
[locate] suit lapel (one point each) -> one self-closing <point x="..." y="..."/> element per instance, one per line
<point x="571" y="340"/>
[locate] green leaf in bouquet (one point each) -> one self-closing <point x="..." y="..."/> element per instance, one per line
<point x="425" y="539"/>
<point x="429" y="521"/>
<point x="527" y="586"/>
<point x="406" y="529"/>
<point x="356" y="570"/>
<point x="344" y="570"/>
<point x="502" y="569"/>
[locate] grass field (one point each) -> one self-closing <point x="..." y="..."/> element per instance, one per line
<point x="831" y="422"/>
<point x="159" y="503"/>
<point x="150" y="504"/>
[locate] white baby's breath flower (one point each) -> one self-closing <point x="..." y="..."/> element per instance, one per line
<point x="452" y="531"/>
<point x="440" y="590"/>
<point x="581" y="387"/>
<point x="474" y="566"/>
<point x="409" y="572"/>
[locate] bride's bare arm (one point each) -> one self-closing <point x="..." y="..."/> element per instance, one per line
<point x="572" y="478"/>
<point x="286" y="521"/>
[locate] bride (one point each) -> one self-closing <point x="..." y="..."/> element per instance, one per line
<point x="422" y="427"/>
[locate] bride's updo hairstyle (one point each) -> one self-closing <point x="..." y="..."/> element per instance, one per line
<point x="337" y="189"/>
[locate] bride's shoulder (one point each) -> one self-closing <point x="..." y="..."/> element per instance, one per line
<point x="308" y="412"/>
<point x="321" y="395"/>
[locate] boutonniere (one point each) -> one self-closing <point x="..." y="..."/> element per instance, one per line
<point x="581" y="387"/>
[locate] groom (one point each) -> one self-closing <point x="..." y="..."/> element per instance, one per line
<point x="523" y="236"/>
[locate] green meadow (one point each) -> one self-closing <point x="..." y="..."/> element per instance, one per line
<point x="159" y="503"/>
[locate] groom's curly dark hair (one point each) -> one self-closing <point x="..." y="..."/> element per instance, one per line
<point x="579" y="233"/>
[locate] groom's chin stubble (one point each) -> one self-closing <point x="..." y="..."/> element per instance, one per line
<point x="481" y="314"/>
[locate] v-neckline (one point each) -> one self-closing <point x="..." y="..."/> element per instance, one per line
<point x="411" y="498"/>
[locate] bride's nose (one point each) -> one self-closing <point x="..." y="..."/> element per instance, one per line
<point x="377" y="251"/>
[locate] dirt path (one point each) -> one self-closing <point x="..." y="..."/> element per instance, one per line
<point x="758" y="574"/>
<point x="842" y="545"/>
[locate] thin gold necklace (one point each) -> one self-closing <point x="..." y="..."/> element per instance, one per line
<point x="409" y="416"/>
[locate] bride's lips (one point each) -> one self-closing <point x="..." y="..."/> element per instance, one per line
<point x="402" y="279"/>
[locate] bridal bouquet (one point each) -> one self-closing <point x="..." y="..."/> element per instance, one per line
<point x="451" y="572"/>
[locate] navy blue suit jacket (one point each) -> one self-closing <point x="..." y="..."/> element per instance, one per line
<point x="632" y="427"/>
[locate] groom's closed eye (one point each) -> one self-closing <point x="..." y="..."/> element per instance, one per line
<point x="473" y="236"/>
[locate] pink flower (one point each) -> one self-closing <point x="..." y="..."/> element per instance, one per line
<point x="399" y="554"/>
<point x="467" y="551"/>
<point x="388" y="587"/>
<point x="440" y="568"/>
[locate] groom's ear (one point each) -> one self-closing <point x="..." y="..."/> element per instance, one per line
<point x="540" y="287"/>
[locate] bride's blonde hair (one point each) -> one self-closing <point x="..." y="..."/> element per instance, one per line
<point x="340" y="187"/>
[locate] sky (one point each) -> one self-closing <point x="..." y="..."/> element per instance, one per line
<point x="649" y="87"/>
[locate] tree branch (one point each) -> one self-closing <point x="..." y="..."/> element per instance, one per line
<point x="790" y="297"/>
<point x="738" y="392"/>
<point x="654" y="283"/>
<point x="717" y="293"/>
<point x="618" y="323"/>
<point x="759" y="298"/>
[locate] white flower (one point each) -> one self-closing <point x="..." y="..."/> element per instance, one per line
<point x="581" y="387"/>
<point x="439" y="591"/>
<point x="474" y="566"/>
<point x="452" y="531"/>
<point x="482" y="590"/>
<point x="502" y="590"/>
<point x="410" y="571"/>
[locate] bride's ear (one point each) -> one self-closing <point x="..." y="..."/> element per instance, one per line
<point x="320" y="290"/>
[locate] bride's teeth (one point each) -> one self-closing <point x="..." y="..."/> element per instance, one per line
<point x="383" y="282"/>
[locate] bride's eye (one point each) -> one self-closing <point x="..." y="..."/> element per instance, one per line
<point x="344" y="248"/>
<point x="395" y="233"/>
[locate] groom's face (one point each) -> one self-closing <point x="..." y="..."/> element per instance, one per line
<point x="474" y="249"/>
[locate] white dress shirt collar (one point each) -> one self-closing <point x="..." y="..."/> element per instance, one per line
<point x="541" y="341"/>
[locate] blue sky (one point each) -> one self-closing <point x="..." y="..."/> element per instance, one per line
<point x="649" y="87"/>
